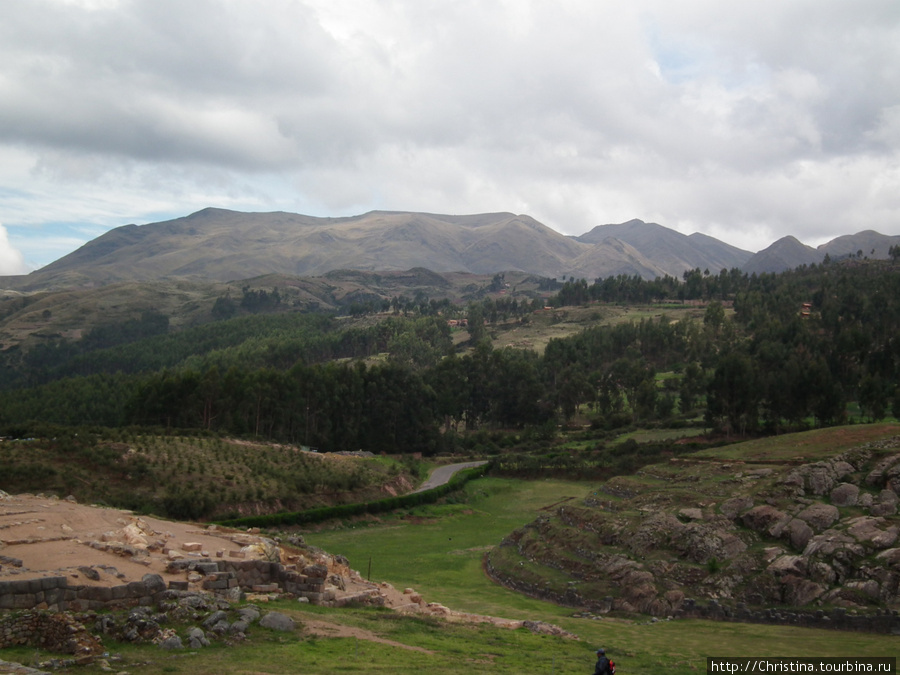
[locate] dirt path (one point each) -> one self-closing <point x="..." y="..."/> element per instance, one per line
<point x="326" y="629"/>
<point x="443" y="474"/>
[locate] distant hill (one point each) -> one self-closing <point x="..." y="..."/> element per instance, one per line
<point x="221" y="245"/>
<point x="217" y="245"/>
<point x="670" y="250"/>
<point x="869" y="243"/>
<point x="788" y="253"/>
<point x="784" y="254"/>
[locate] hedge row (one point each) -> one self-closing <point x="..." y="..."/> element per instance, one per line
<point x="323" y="513"/>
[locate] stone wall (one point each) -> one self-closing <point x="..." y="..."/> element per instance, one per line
<point x="261" y="577"/>
<point x="54" y="632"/>
<point x="884" y="621"/>
<point x="249" y="576"/>
<point x="55" y="594"/>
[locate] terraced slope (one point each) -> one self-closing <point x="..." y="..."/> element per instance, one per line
<point x="805" y="520"/>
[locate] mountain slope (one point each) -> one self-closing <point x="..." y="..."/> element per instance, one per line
<point x="218" y="245"/>
<point x="872" y="245"/>
<point x="671" y="250"/>
<point x="221" y="245"/>
<point x="784" y="254"/>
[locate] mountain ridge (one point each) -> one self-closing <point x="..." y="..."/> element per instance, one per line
<point x="222" y="245"/>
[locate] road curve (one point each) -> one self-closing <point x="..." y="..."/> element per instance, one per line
<point x="443" y="474"/>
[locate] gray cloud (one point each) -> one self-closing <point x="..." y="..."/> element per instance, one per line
<point x="748" y="122"/>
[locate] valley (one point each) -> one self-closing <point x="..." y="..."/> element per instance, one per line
<point x="660" y="453"/>
<point x="438" y="552"/>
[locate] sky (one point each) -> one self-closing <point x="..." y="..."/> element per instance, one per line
<point x="745" y="121"/>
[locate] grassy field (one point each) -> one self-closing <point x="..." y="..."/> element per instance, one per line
<point x="388" y="643"/>
<point x="803" y="447"/>
<point x="438" y="551"/>
<point x="195" y="477"/>
<point x="566" y="321"/>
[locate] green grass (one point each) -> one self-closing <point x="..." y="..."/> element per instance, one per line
<point x="194" y="477"/>
<point x="658" y="435"/>
<point x="441" y="558"/>
<point x="807" y="446"/>
<point x="438" y="550"/>
<point x="413" y="645"/>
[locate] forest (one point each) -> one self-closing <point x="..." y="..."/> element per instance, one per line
<point x="816" y="346"/>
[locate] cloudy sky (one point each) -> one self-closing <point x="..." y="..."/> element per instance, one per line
<point x="746" y="121"/>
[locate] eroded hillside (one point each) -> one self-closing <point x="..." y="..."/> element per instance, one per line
<point x="805" y="520"/>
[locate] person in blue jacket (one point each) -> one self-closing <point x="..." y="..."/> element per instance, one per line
<point x="602" y="667"/>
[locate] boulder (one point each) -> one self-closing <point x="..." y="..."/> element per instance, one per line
<point x="799" y="592"/>
<point x="832" y="542"/>
<point x="885" y="504"/>
<point x="240" y="626"/>
<point x="732" y="508"/>
<point x="867" y="588"/>
<point x="819" y="480"/>
<point x="788" y="564"/>
<point x="888" y="497"/>
<point x="197" y="638"/>
<point x="134" y="536"/>
<point x="819" y="516"/>
<point x="841" y="468"/>
<point x="154" y="583"/>
<point x="691" y="513"/>
<point x="698" y="542"/>
<point x="172" y="642"/>
<point x="89" y="573"/>
<point x="214" y="618"/>
<point x="277" y="621"/>
<point x="798" y="533"/>
<point x="822" y="572"/>
<point x="249" y="614"/>
<point x="877" y="476"/>
<point x="762" y="518"/>
<point x="883" y="509"/>
<point x="845" y="494"/>
<point x="889" y="557"/>
<point x="868" y="530"/>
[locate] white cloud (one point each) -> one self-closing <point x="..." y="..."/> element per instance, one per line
<point x="745" y="121"/>
<point x="11" y="260"/>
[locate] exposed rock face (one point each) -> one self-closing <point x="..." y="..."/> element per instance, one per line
<point x="820" y="534"/>
<point x="819" y="516"/>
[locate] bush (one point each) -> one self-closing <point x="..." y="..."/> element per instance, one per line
<point x="348" y="510"/>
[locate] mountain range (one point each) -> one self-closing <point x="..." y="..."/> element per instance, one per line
<point x="222" y="245"/>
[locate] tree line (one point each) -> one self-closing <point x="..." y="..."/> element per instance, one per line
<point x="772" y="352"/>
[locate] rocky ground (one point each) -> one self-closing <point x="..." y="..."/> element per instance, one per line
<point x="44" y="536"/>
<point x="757" y="532"/>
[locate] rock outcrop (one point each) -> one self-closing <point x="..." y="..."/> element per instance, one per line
<point x="821" y="534"/>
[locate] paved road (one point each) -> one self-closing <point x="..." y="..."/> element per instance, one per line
<point x="443" y="474"/>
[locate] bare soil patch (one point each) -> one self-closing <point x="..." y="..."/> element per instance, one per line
<point x="43" y="536"/>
